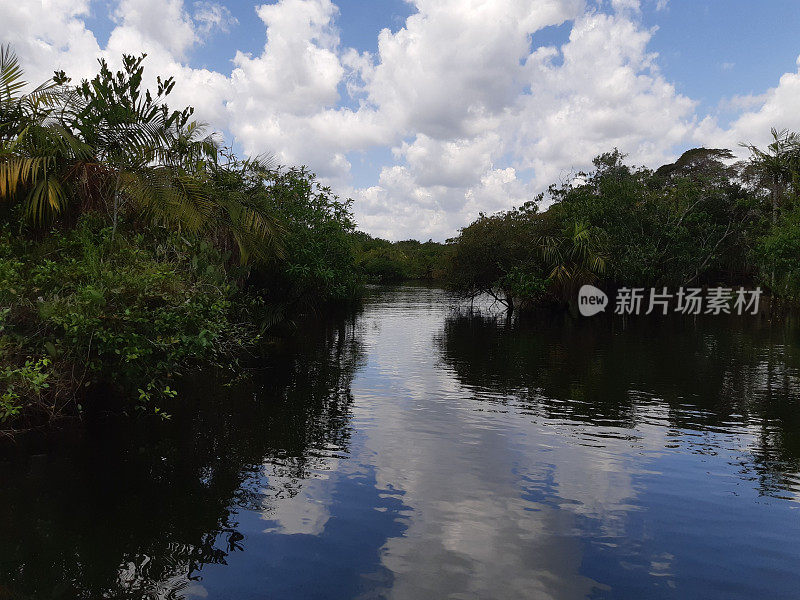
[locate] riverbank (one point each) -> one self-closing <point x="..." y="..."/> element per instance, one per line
<point x="93" y="323"/>
<point x="134" y="246"/>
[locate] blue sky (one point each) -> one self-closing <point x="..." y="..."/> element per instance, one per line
<point x="465" y="106"/>
<point x="714" y="50"/>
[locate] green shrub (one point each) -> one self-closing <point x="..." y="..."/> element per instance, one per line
<point x="128" y="313"/>
<point x="25" y="383"/>
<point x="524" y="283"/>
<point x="316" y="229"/>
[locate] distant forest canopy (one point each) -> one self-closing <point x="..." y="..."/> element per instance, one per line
<point x="133" y="246"/>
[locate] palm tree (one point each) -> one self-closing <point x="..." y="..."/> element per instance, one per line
<point x="576" y="257"/>
<point x="779" y="164"/>
<point x="779" y="167"/>
<point x="36" y="152"/>
<point x="199" y="187"/>
<point x="119" y="149"/>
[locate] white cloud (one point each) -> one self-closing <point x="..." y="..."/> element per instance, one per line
<point x="451" y="162"/>
<point x="163" y="23"/>
<point x="486" y="103"/>
<point x="434" y="210"/>
<point x="606" y="92"/>
<point x="284" y="100"/>
<point x="452" y="70"/>
<point x="48" y="35"/>
<point x="299" y="70"/>
<point x="625" y="5"/>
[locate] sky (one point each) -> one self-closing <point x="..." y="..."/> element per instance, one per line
<point x="428" y="112"/>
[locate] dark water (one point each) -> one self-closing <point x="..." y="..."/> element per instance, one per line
<point x="413" y="451"/>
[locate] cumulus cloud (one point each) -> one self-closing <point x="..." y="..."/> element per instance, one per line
<point x="477" y="113"/>
<point x="606" y="91"/>
<point x="281" y="96"/>
<point x="486" y="104"/>
<point x="49" y="35"/>
<point x="163" y="23"/>
<point x="299" y="70"/>
<point x="435" y="210"/>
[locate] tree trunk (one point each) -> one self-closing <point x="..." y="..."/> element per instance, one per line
<point x="774" y="220"/>
<point x="775" y="184"/>
<point x="116" y="206"/>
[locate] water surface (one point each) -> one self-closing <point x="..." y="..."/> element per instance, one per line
<point x="416" y="451"/>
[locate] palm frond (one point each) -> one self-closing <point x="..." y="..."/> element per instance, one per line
<point x="45" y="199"/>
<point x="255" y="232"/>
<point x="11" y="75"/>
<point x="19" y="171"/>
<point x="164" y="197"/>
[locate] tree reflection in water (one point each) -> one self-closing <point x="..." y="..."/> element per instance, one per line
<point x="135" y="510"/>
<point x="709" y="375"/>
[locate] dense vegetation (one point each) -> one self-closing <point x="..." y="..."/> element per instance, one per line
<point x="703" y="220"/>
<point x="133" y="247"/>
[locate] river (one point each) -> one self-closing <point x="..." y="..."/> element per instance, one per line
<point x="421" y="450"/>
